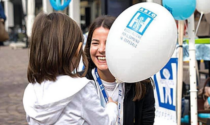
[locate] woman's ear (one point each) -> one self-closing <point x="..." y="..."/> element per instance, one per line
<point x="78" y="49"/>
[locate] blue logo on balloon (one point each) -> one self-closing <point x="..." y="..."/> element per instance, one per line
<point x="141" y="20"/>
<point x="180" y="9"/>
<point x="56" y="4"/>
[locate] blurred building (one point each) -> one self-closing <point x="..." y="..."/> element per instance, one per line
<point x="22" y="12"/>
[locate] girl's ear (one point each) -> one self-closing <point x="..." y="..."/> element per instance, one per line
<point x="78" y="49"/>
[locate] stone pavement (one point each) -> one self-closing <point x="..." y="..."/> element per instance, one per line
<point x="13" y="80"/>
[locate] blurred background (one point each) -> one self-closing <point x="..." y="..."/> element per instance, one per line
<point x="20" y="13"/>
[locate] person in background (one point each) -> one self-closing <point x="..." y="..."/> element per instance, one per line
<point x="2" y="15"/>
<point x="3" y="34"/>
<point x="56" y="93"/>
<point x="136" y="103"/>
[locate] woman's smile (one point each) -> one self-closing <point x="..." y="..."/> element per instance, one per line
<point x="101" y="59"/>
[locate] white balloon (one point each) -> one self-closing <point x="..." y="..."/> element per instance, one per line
<point x="140" y="42"/>
<point x="203" y="6"/>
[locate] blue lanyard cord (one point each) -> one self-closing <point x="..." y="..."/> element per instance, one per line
<point x="101" y="86"/>
<point x="105" y="95"/>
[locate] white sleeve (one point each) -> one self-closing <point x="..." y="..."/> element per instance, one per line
<point x="92" y="111"/>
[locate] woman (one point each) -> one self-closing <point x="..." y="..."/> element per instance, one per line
<point x="55" y="94"/>
<point x="137" y="98"/>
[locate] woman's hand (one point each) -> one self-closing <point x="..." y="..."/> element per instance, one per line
<point x="110" y="100"/>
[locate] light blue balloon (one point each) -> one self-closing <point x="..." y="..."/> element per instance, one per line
<point x="56" y="4"/>
<point x="204" y="115"/>
<point x="180" y="9"/>
<point x="208" y="100"/>
<point x="185" y="119"/>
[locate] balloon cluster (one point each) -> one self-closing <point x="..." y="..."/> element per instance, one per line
<point x="56" y="4"/>
<point x="183" y="9"/>
<point x="180" y="9"/>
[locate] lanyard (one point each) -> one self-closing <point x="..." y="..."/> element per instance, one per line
<point x="120" y="104"/>
<point x="120" y="94"/>
<point x="101" y="86"/>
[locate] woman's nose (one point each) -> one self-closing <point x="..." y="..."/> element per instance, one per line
<point x="102" y="48"/>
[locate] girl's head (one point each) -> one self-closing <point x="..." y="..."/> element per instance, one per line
<point x="55" y="48"/>
<point x="96" y="42"/>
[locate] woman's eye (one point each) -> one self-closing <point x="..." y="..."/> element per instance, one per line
<point x="94" y="43"/>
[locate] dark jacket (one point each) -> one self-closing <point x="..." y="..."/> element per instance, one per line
<point x="140" y="112"/>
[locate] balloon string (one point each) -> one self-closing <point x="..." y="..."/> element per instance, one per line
<point x="118" y="82"/>
<point x="199" y="23"/>
<point x="114" y="90"/>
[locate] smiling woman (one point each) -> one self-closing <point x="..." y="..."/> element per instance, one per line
<point x="136" y="100"/>
<point x="96" y="45"/>
<point x="97" y="49"/>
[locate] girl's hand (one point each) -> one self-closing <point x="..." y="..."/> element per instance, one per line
<point x="110" y="100"/>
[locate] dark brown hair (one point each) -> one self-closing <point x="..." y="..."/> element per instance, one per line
<point x="54" y="43"/>
<point x="106" y="22"/>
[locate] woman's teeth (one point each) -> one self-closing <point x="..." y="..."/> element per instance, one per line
<point x="102" y="58"/>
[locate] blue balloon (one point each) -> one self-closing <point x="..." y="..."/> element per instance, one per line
<point x="204" y="115"/>
<point x="208" y="100"/>
<point x="180" y="9"/>
<point x="185" y="119"/>
<point x="56" y="4"/>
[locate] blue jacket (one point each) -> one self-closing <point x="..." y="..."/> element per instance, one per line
<point x="2" y="15"/>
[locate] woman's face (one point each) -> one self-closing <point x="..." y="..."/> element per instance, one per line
<point x="97" y="48"/>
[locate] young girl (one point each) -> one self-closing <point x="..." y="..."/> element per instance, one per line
<point x="56" y="94"/>
<point x="136" y="100"/>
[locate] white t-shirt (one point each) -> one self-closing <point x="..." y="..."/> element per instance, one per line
<point x="109" y="88"/>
